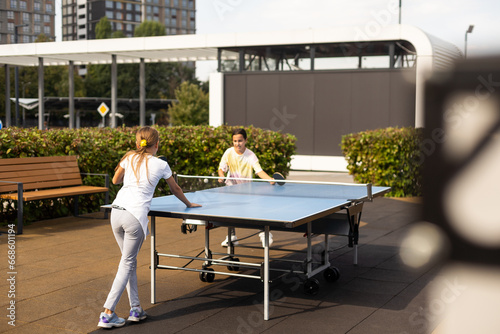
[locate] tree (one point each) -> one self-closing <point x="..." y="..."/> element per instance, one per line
<point x="192" y="105"/>
<point x="103" y="28"/>
<point x="149" y="28"/>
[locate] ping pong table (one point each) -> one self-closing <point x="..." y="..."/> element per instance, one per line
<point x="323" y="208"/>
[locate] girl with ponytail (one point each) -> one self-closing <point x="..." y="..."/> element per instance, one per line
<point x="139" y="170"/>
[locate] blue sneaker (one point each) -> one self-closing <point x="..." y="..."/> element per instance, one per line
<point x="137" y="314"/>
<point x="110" y="320"/>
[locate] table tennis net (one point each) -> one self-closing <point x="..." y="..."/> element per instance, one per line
<point x="259" y="187"/>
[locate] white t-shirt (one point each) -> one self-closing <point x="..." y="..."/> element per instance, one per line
<point x="239" y="165"/>
<point x="135" y="196"/>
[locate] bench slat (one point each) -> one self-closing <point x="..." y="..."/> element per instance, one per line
<point x="59" y="192"/>
<point x="36" y="160"/>
<point x="29" y="167"/>
<point x="44" y="178"/>
<point x="40" y="185"/>
<point x="23" y="174"/>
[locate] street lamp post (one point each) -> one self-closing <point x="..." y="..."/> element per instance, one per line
<point x="17" y="75"/>
<point x="471" y="27"/>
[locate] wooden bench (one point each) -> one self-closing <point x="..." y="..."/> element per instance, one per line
<point x="30" y="179"/>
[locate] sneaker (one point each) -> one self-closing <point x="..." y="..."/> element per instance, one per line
<point x="262" y="236"/>
<point x="110" y="320"/>
<point x="137" y="314"/>
<point x="234" y="240"/>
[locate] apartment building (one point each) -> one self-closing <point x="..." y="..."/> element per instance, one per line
<point x="80" y="17"/>
<point x="27" y="20"/>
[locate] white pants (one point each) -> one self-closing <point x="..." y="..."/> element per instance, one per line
<point x="129" y="236"/>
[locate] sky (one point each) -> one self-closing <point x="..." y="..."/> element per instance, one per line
<point x="445" y="19"/>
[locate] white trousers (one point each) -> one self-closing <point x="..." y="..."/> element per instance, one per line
<point x="129" y="236"/>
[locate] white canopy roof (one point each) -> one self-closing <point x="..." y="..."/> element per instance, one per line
<point x="204" y="47"/>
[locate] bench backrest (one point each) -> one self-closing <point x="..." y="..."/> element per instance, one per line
<point x="39" y="172"/>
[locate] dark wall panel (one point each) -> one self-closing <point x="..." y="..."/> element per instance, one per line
<point x="333" y="104"/>
<point x="402" y="99"/>
<point x="235" y="96"/>
<point x="370" y="100"/>
<point x="296" y="112"/>
<point x="320" y="107"/>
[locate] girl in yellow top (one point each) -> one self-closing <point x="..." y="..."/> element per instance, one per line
<point x="239" y="162"/>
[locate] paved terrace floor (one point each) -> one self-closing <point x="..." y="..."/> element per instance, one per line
<point x="65" y="268"/>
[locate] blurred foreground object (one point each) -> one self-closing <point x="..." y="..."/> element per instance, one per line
<point x="461" y="183"/>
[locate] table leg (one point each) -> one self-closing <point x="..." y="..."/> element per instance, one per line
<point x="309" y="249"/>
<point x="266" y="273"/>
<point x="153" y="260"/>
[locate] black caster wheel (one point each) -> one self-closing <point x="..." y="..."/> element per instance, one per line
<point x="234" y="267"/>
<point x="203" y="277"/>
<point x="311" y="286"/>
<point x="331" y="274"/>
<point x="210" y="276"/>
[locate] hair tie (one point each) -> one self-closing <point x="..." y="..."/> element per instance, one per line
<point x="144" y="143"/>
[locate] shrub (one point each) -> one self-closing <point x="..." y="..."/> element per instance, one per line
<point x="386" y="157"/>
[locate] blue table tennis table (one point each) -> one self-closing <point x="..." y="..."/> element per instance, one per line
<point x="328" y="209"/>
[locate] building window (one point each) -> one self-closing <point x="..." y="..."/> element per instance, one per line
<point x="38" y="18"/>
<point x="37" y="6"/>
<point x="167" y="20"/>
<point x="129" y="6"/>
<point x="119" y="26"/>
<point x="137" y="17"/>
<point x="10" y="14"/>
<point x="10" y="26"/>
<point x="176" y="3"/>
<point x="184" y="23"/>
<point x="174" y="12"/>
<point x="13" y="4"/>
<point x="109" y="14"/>
<point x="148" y="9"/>
<point x="26" y="17"/>
<point x="46" y="18"/>
<point x="119" y="5"/>
<point x="119" y="15"/>
<point x="184" y="3"/>
<point x="109" y="4"/>
<point x="192" y="25"/>
<point x="37" y="29"/>
<point x="129" y="17"/>
<point x="191" y="4"/>
<point x="26" y="39"/>
<point x="137" y="8"/>
<point x="46" y="30"/>
<point x="48" y="8"/>
<point x="22" y="5"/>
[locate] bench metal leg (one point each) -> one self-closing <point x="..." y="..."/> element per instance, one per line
<point x="20" y="206"/>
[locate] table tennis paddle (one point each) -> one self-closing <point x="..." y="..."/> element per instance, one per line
<point x="279" y="176"/>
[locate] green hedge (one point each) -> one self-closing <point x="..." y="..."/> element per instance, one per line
<point x="193" y="150"/>
<point x="386" y="157"/>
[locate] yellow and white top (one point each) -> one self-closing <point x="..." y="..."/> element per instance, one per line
<point x="239" y="165"/>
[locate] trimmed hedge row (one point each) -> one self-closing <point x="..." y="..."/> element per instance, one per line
<point x="192" y="150"/>
<point x="386" y="157"/>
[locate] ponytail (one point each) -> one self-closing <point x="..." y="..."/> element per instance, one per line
<point x="146" y="137"/>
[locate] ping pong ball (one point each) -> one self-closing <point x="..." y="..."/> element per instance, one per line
<point x="205" y="180"/>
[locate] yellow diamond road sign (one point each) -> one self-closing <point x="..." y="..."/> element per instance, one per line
<point x="103" y="109"/>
